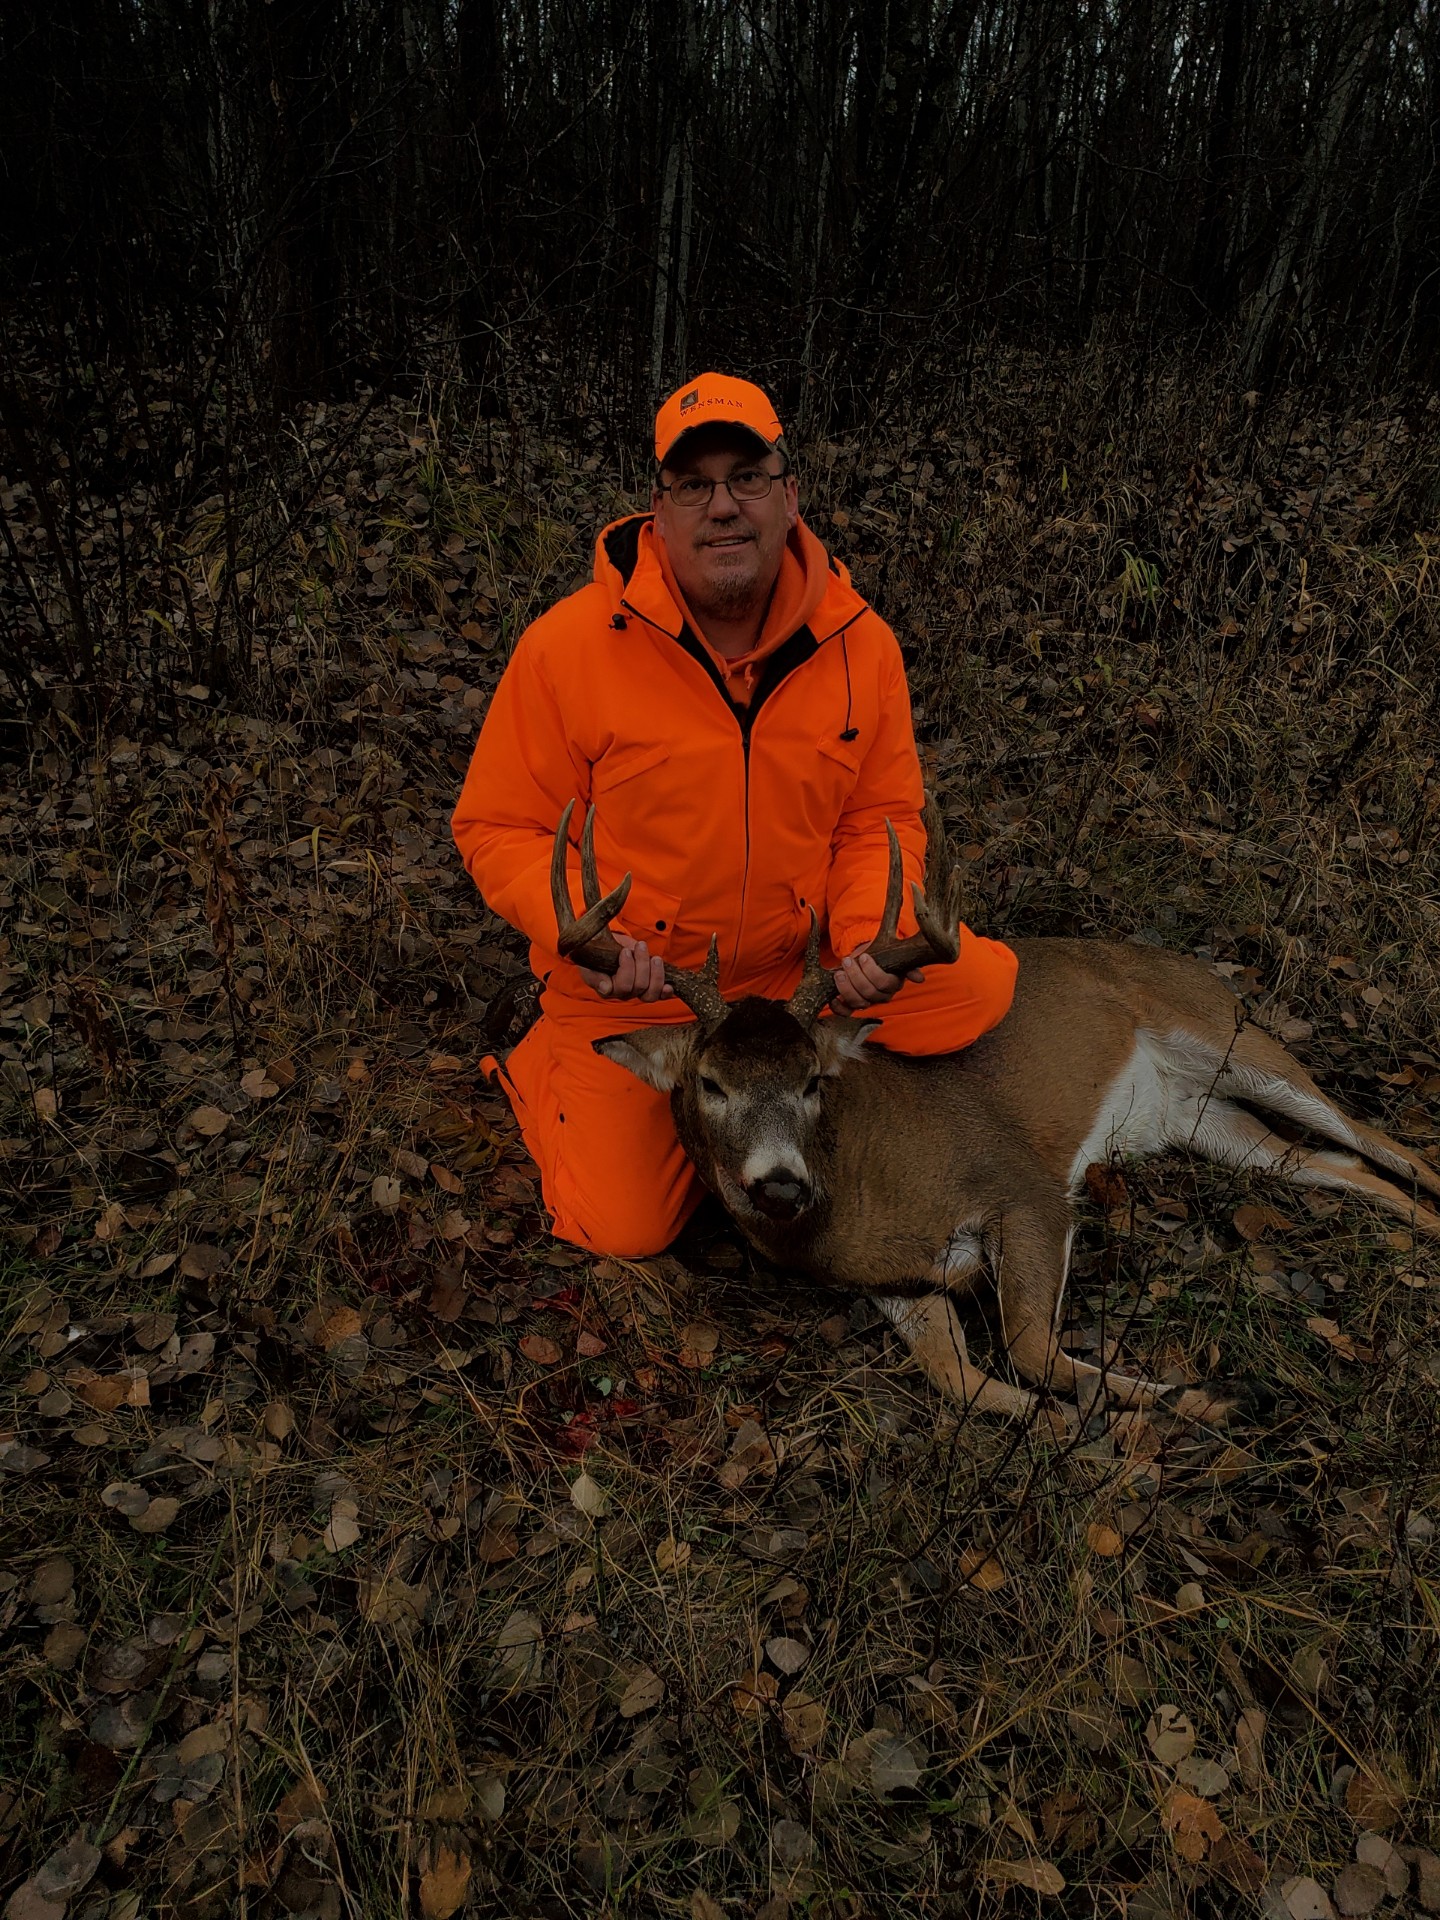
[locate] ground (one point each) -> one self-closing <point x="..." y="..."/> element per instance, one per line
<point x="368" y="1552"/>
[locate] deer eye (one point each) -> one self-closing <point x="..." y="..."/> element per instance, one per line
<point x="712" y="1087"/>
<point x="812" y="1086"/>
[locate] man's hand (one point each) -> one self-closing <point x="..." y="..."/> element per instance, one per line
<point x="639" y="976"/>
<point x="860" y="983"/>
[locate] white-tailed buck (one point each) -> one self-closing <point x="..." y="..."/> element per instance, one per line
<point x="902" y="1178"/>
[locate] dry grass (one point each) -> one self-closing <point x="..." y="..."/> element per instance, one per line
<point x="1176" y="666"/>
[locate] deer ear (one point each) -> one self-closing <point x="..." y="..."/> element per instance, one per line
<point x="839" y="1038"/>
<point x="656" y="1055"/>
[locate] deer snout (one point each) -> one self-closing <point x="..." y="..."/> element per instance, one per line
<point x="781" y="1192"/>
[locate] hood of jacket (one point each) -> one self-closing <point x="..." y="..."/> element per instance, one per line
<point x="813" y="588"/>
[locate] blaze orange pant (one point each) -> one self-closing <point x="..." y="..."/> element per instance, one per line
<point x="613" y="1173"/>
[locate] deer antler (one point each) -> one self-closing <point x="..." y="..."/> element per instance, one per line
<point x="589" y="942"/>
<point x="938" y="938"/>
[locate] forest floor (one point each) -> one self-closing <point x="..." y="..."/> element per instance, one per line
<point x="367" y="1552"/>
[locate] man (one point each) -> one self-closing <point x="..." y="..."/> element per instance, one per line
<point x="740" y="720"/>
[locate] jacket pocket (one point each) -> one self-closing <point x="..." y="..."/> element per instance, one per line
<point x="613" y="769"/>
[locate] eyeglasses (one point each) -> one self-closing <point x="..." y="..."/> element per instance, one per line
<point x="750" y="483"/>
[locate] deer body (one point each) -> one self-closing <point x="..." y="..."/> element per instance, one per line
<point x="905" y="1178"/>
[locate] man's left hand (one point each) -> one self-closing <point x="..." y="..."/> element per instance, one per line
<point x="860" y="983"/>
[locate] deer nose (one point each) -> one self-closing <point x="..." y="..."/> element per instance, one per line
<point x="781" y="1193"/>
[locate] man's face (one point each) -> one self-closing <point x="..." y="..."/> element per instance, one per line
<point x="726" y="555"/>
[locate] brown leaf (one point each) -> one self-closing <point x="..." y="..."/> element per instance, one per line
<point x="1104" y="1540"/>
<point x="698" y="1342"/>
<point x="209" y="1121"/>
<point x="672" y="1554"/>
<point x="1427" y="1879"/>
<point x="27" y="1902"/>
<point x="157" y="1516"/>
<point x="981" y="1569"/>
<point x="51" y="1581"/>
<point x="753" y="1692"/>
<point x="64" y="1645"/>
<point x="1041" y="1876"/>
<point x="446" y="1181"/>
<point x="786" y="1654"/>
<point x="1253" y="1222"/>
<point x="68" y="1870"/>
<point x="1250" y="1746"/>
<point x="279" y="1420"/>
<point x="385" y="1192"/>
<point x="1305" y="1899"/>
<point x="152" y="1330"/>
<point x="1169" y="1735"/>
<point x="543" y="1351"/>
<point x="589" y="1346"/>
<point x="802" y="1721"/>
<point x="258" y="1085"/>
<point x="444" y="1878"/>
<point x="1359" y="1889"/>
<point x="201" y="1262"/>
<point x="645" y="1690"/>
<point x="1192" y="1823"/>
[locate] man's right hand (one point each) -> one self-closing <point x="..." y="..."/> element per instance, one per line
<point x="639" y="976"/>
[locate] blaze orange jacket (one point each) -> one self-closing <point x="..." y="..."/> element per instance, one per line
<point x="733" y="819"/>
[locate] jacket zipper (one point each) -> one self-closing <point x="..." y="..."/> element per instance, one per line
<point x="745" y="731"/>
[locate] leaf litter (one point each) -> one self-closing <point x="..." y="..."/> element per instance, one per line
<point x="310" y="1417"/>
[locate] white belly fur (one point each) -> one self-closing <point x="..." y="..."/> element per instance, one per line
<point x="1151" y="1102"/>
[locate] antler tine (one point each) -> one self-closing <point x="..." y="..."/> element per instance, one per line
<point x="817" y="985"/>
<point x="588" y="940"/>
<point x="939" y="935"/>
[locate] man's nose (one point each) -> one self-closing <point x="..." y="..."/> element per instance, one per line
<point x="723" y="505"/>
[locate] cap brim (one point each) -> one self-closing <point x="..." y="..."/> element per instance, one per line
<point x="705" y="426"/>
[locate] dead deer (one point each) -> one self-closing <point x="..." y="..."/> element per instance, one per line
<point x="903" y="1177"/>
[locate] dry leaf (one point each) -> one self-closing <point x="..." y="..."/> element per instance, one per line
<point x="589" y="1346"/>
<point x="1305" y="1899"/>
<point x="704" y="1907"/>
<point x="1205" y="1777"/>
<point x="1169" y="1735"/>
<point x="157" y="1516"/>
<point x="342" y="1532"/>
<point x="645" y="1690"/>
<point x="981" y="1569"/>
<point x="1192" y="1824"/>
<point x="786" y="1654"/>
<point x="67" y="1871"/>
<point x="753" y="1692"/>
<point x="587" y="1496"/>
<point x="444" y="1878"/>
<point x="672" y="1554"/>
<point x="446" y="1181"/>
<point x="896" y="1764"/>
<point x="544" y="1352"/>
<point x="698" y="1342"/>
<point x="385" y="1193"/>
<point x="1253" y="1222"/>
<point x="1250" y="1746"/>
<point x="47" y="1105"/>
<point x="802" y="1721"/>
<point x="1104" y="1540"/>
<point x="258" y="1084"/>
<point x="1359" y="1889"/>
<point x="1040" y="1876"/>
<point x="209" y="1121"/>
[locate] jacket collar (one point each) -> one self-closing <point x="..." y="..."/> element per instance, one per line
<point x="627" y="566"/>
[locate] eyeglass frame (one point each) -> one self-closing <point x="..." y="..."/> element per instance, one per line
<point x="693" y="506"/>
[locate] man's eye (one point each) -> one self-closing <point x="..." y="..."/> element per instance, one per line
<point x="688" y="489"/>
<point x="748" y="476"/>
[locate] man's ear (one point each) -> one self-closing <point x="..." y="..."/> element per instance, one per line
<point x="656" y="1055"/>
<point x="839" y="1038"/>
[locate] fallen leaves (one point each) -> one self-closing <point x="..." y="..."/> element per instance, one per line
<point x="1192" y="1823"/>
<point x="445" y="1870"/>
<point x="1169" y="1735"/>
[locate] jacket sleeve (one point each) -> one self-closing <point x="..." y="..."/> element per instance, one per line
<point x="524" y="770"/>
<point x="888" y="787"/>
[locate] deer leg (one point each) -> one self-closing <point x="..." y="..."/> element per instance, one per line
<point x="1257" y="1069"/>
<point x="1031" y="1267"/>
<point x="1238" y="1138"/>
<point x="930" y="1327"/>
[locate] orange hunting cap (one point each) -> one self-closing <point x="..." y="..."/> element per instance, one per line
<point x="714" y="399"/>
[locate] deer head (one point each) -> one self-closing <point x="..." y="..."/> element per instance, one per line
<point x="752" y="1082"/>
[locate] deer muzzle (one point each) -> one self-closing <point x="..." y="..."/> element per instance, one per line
<point x="780" y="1193"/>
